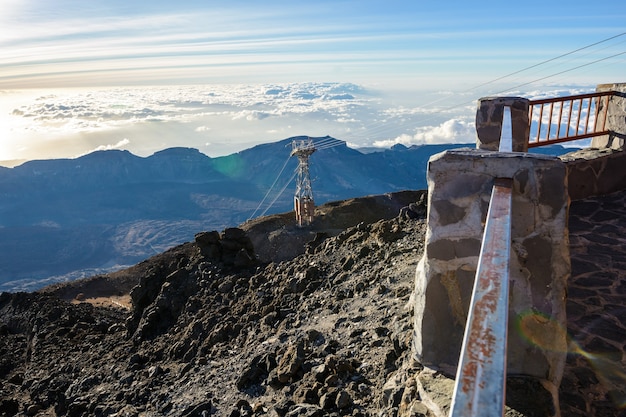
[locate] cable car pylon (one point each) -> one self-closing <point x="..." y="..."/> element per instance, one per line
<point x="304" y="205"/>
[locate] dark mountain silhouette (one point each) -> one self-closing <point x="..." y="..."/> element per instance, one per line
<point x="68" y="218"/>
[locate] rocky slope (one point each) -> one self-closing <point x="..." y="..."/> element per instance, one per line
<point x="214" y="331"/>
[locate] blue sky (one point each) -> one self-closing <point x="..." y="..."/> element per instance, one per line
<point x="405" y="54"/>
<point x="53" y="43"/>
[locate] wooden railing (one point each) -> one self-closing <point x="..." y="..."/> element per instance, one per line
<point x="481" y="376"/>
<point x="564" y="119"/>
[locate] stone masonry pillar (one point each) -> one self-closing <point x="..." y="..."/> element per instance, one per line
<point x="615" y="119"/>
<point x="459" y="188"/>
<point x="489" y="122"/>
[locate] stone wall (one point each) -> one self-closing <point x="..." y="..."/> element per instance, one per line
<point x="459" y="188"/>
<point x="615" y="120"/>
<point x="459" y="184"/>
<point x="593" y="172"/>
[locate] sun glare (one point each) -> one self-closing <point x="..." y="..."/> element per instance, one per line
<point x="14" y="129"/>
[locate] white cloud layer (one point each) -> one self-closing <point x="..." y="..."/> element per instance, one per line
<point x="222" y="119"/>
<point x="110" y="108"/>
<point x="450" y="131"/>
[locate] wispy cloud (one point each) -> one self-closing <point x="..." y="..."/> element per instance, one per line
<point x="119" y="145"/>
<point x="67" y="43"/>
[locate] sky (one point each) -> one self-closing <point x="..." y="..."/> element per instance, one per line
<point x="78" y="76"/>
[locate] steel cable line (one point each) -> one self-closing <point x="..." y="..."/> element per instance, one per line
<point x="621" y="61"/>
<point x="562" y="72"/>
<point x="337" y="142"/>
<point x="380" y="125"/>
<point x="322" y="144"/>
<point x="280" y="192"/>
<point x="325" y="143"/>
<point x="545" y="62"/>
<point x="527" y="83"/>
<point x="577" y="58"/>
<point x="331" y="145"/>
<point x="438" y="112"/>
<point x="271" y="187"/>
<point x="531" y="67"/>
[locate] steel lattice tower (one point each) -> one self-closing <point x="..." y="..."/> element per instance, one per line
<point x="304" y="205"/>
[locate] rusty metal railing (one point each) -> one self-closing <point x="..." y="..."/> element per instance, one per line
<point x="481" y="376"/>
<point x="564" y="119"/>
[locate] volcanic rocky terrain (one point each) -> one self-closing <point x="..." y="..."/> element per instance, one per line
<point x="208" y="328"/>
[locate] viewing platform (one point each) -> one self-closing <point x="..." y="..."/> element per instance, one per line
<point x="520" y="291"/>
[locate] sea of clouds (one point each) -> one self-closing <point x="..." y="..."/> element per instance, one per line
<point x="223" y="119"/>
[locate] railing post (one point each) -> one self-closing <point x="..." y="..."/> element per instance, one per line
<point x="613" y="111"/>
<point x="489" y="122"/>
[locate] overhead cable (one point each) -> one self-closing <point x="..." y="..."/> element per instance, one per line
<point x="271" y="187"/>
<point x="280" y="192"/>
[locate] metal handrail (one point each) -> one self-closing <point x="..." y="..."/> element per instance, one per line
<point x="481" y="376"/>
<point x="573" y="120"/>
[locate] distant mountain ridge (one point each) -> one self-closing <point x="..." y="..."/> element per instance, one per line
<point x="76" y="217"/>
